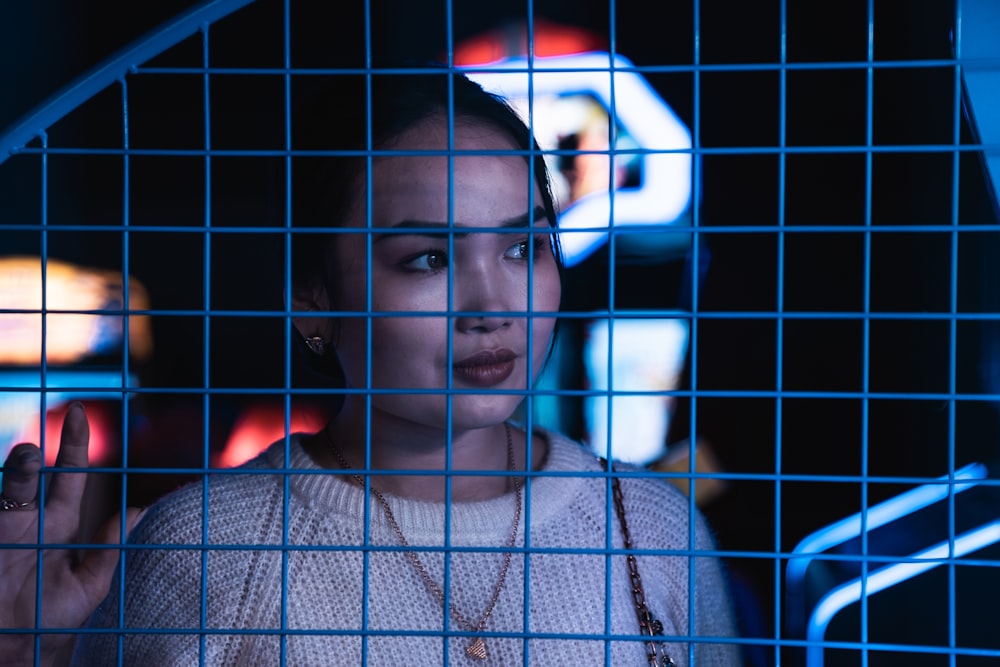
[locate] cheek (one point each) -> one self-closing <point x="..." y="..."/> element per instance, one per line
<point x="402" y="340"/>
<point x="547" y="292"/>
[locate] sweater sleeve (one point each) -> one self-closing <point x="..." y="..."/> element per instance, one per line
<point x="691" y="589"/>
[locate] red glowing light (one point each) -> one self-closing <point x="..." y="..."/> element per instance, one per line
<point x="260" y="425"/>
<point x="104" y="428"/>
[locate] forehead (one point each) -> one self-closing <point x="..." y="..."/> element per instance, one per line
<point x="435" y="132"/>
<point x="470" y="173"/>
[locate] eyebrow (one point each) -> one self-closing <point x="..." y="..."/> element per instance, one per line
<point x="426" y="228"/>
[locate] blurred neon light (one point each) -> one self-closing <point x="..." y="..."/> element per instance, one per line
<point x="511" y="39"/>
<point x="978" y="52"/>
<point x="260" y="425"/>
<point x="876" y="516"/>
<point x="665" y="192"/>
<point x="888" y="576"/>
<point x="20" y="403"/>
<point x="622" y="356"/>
<point x="69" y="336"/>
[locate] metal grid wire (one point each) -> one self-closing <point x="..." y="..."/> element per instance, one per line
<point x="837" y="282"/>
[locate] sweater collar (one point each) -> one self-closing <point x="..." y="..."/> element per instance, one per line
<point x="423" y="522"/>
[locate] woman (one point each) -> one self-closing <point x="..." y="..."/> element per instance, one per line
<point x="425" y="289"/>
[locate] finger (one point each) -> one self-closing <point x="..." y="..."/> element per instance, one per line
<point x="67" y="488"/>
<point x="20" y="473"/>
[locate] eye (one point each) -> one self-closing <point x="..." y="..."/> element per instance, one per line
<point x="518" y="250"/>
<point x="431" y="260"/>
<point x="521" y="249"/>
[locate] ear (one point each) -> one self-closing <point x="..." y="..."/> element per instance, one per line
<point x="311" y="299"/>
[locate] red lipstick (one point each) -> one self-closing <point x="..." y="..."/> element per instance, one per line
<point x="485" y="369"/>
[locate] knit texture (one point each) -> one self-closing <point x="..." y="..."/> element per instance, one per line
<point x="280" y="567"/>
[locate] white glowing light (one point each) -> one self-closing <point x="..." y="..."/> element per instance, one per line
<point x="644" y="356"/>
<point x="664" y="194"/>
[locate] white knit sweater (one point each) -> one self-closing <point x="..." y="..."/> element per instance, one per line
<point x="278" y="569"/>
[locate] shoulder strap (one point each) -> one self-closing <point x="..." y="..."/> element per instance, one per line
<point x="656" y="651"/>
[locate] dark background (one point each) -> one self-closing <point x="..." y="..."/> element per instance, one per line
<point x="823" y="279"/>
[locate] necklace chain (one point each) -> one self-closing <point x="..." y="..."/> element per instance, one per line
<point x="477" y="650"/>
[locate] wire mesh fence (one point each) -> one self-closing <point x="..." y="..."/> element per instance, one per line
<point x="778" y="227"/>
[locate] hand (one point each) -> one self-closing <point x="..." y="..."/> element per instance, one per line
<point x="71" y="585"/>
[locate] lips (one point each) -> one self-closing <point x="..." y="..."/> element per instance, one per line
<point x="485" y="369"/>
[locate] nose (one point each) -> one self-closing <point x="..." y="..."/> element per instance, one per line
<point x="483" y="324"/>
<point x="484" y="301"/>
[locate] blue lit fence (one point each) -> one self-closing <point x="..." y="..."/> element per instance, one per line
<point x="806" y="223"/>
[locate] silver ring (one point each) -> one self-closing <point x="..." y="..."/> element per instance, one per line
<point x="7" y="504"/>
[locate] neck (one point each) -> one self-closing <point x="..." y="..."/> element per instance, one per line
<point x="410" y="448"/>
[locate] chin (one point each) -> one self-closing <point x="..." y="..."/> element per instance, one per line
<point x="474" y="412"/>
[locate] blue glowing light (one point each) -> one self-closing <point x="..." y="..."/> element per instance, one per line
<point x="890" y="575"/>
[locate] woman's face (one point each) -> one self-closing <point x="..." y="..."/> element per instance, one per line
<point x="465" y="237"/>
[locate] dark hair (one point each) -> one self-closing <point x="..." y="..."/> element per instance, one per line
<point x="352" y="115"/>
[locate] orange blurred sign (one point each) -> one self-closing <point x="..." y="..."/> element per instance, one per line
<point x="69" y="334"/>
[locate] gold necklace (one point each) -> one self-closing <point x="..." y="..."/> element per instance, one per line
<point x="477" y="649"/>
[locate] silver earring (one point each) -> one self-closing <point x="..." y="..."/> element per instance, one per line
<point x="316" y="345"/>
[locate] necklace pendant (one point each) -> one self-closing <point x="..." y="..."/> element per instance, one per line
<point x="476" y="650"/>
